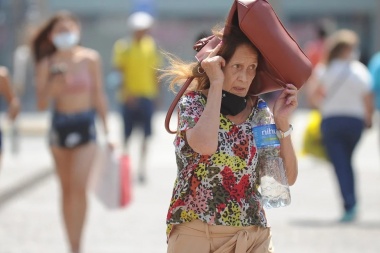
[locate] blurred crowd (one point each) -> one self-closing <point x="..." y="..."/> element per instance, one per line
<point x="69" y="82"/>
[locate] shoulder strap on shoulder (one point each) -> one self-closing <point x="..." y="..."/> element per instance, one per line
<point x="174" y="104"/>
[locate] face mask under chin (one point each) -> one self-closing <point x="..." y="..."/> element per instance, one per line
<point x="66" y="41"/>
<point x="232" y="104"/>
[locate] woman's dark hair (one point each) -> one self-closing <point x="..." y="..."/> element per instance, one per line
<point x="337" y="51"/>
<point x="339" y="42"/>
<point x="42" y="45"/>
<point x="178" y="70"/>
<point x="232" y="38"/>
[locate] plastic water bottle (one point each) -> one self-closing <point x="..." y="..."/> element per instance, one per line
<point x="274" y="183"/>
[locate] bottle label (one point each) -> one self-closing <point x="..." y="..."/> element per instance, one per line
<point x="265" y="135"/>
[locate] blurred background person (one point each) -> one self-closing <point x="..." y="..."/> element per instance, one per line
<point x="23" y="81"/>
<point x="69" y="77"/>
<point x="374" y="68"/>
<point x="6" y="91"/>
<point x="137" y="60"/>
<point x="315" y="49"/>
<point x="343" y="95"/>
<point x="23" y="69"/>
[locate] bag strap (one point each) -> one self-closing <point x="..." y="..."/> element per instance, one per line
<point x="339" y="80"/>
<point x="174" y="104"/>
<point x="203" y="47"/>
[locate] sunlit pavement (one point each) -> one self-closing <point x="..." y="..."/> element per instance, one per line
<point x="30" y="220"/>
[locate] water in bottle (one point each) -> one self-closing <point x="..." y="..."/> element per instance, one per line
<point x="274" y="184"/>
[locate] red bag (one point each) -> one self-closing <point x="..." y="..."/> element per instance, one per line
<point x="125" y="180"/>
<point x="282" y="61"/>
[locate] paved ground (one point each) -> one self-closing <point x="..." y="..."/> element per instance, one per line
<point x="30" y="219"/>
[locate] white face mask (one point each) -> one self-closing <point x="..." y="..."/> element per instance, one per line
<point x="66" y="40"/>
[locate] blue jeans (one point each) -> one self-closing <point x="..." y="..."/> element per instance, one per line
<point x="138" y="114"/>
<point x="340" y="137"/>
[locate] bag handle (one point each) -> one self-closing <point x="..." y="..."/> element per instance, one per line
<point x="174" y="104"/>
<point x="203" y="47"/>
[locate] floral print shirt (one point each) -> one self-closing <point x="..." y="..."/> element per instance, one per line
<point x="221" y="189"/>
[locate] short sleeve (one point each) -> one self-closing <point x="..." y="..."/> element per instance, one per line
<point x="365" y="77"/>
<point x="119" y="49"/>
<point x="190" y="108"/>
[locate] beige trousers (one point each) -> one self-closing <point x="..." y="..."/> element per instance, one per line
<point x="199" y="237"/>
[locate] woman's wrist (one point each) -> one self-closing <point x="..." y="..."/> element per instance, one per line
<point x="216" y="86"/>
<point x="282" y="124"/>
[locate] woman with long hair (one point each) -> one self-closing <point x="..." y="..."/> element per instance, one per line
<point x="216" y="206"/>
<point x="342" y="92"/>
<point x="69" y="77"/>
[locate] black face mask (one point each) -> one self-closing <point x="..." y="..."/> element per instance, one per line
<point x="232" y="104"/>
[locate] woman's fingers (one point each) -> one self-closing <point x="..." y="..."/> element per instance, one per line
<point x="215" y="51"/>
<point x="291" y="100"/>
<point x="291" y="86"/>
<point x="213" y="65"/>
<point x="213" y="59"/>
<point x="291" y="94"/>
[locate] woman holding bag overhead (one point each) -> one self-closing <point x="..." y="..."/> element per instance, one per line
<point x="69" y="77"/>
<point x="342" y="92"/>
<point x="216" y="205"/>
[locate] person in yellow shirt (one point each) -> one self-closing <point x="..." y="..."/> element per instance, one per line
<point x="137" y="61"/>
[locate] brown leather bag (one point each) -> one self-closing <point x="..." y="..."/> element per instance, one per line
<point x="282" y="61"/>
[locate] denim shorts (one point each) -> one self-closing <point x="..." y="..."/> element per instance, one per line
<point x="72" y="130"/>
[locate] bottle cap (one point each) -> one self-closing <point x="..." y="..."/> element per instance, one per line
<point x="262" y="105"/>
